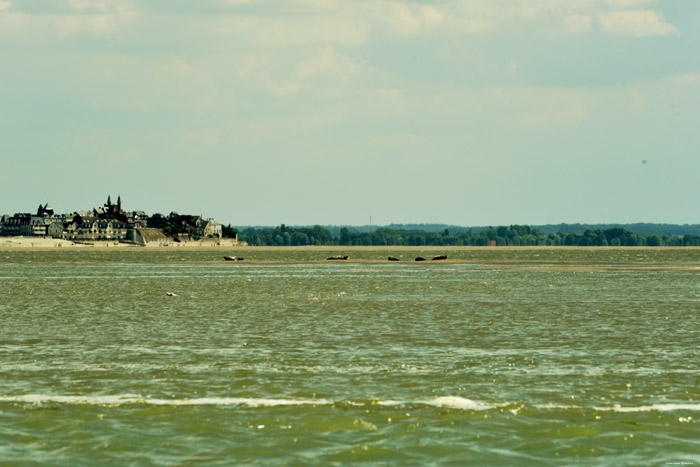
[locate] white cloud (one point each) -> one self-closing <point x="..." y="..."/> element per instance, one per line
<point x="405" y="19"/>
<point x="312" y="23"/>
<point x="327" y="62"/>
<point x="256" y="71"/>
<point x="329" y="48"/>
<point x="686" y="79"/>
<point x="553" y="119"/>
<point x="92" y="17"/>
<point x="97" y="17"/>
<point x="402" y="141"/>
<point x="293" y="31"/>
<point x="383" y="94"/>
<point x="202" y="137"/>
<point x="181" y="67"/>
<point x="238" y="2"/>
<point x="636" y="23"/>
<point x="624" y="17"/>
<point x="69" y="25"/>
<point x="322" y="68"/>
<point x="617" y="4"/>
<point x="578" y="23"/>
<point x="99" y="5"/>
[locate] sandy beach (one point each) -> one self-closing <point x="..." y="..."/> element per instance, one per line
<point x="22" y="243"/>
<point x="14" y="243"/>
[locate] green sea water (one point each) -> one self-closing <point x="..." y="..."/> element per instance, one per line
<point x="500" y="357"/>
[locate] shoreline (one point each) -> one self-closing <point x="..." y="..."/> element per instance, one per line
<point x="45" y="243"/>
<point x="41" y="243"/>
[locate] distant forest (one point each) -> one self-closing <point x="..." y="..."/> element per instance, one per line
<point x="440" y="235"/>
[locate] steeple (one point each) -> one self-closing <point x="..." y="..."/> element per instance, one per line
<point x="109" y="200"/>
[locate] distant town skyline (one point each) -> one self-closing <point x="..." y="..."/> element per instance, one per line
<point x="303" y="112"/>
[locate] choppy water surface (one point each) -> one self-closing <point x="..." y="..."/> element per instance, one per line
<point x="531" y="357"/>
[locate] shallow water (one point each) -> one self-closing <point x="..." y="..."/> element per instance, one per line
<point x="530" y="357"/>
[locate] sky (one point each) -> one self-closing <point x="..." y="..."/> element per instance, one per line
<point x="303" y="112"/>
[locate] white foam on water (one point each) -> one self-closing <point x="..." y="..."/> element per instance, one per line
<point x="135" y="399"/>
<point x="391" y="403"/>
<point x="249" y="402"/>
<point x="90" y="400"/>
<point x="455" y="402"/>
<point x="621" y="409"/>
<point x="449" y="402"/>
<point x="652" y="408"/>
<point x="558" y="406"/>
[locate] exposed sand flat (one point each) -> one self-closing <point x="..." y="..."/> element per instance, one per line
<point x="513" y="265"/>
<point x="23" y="243"/>
<point x="13" y="243"/>
<point x="541" y="261"/>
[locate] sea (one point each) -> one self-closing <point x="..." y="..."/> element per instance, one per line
<point x="495" y="356"/>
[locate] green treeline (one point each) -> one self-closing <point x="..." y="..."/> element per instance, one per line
<point x="515" y="235"/>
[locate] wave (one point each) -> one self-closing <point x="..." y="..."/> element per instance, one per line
<point x="447" y="402"/>
<point x="135" y="399"/>
<point x="451" y="402"/>
<point x="652" y="408"/>
<point x="620" y="409"/>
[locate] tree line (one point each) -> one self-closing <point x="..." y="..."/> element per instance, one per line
<point x="514" y="235"/>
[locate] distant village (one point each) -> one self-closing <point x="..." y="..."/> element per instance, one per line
<point x="111" y="223"/>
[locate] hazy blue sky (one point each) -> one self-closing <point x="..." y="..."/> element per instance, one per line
<point x="470" y="112"/>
